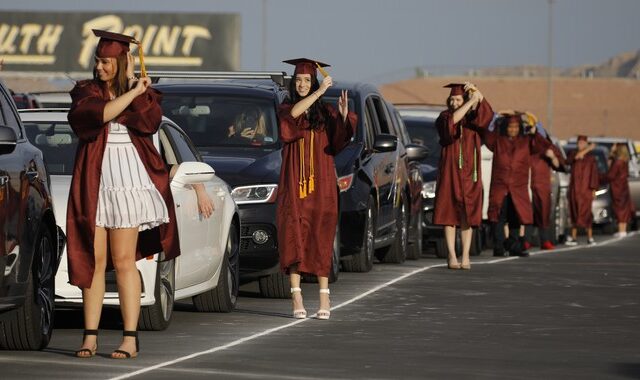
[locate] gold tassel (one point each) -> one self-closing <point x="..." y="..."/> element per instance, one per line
<point x="302" y="181"/>
<point x="312" y="181"/>
<point x="143" y="69"/>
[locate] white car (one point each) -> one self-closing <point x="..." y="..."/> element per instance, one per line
<point x="207" y="269"/>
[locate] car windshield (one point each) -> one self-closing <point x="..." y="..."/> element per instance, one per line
<point x="424" y="132"/>
<point x="57" y="142"/>
<point x="223" y="121"/>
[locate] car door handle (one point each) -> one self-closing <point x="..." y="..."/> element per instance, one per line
<point x="3" y="180"/>
<point x="32" y="175"/>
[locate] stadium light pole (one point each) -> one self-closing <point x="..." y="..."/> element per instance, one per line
<point x="264" y="35"/>
<point x="550" y="69"/>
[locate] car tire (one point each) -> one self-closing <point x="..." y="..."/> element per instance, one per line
<point x="157" y="317"/>
<point x="415" y="249"/>
<point x="363" y="261"/>
<point x="441" y="248"/>
<point x="224" y="296"/>
<point x="398" y="252"/>
<point x="29" y="327"/>
<point x="275" y="285"/>
<point x="476" y="243"/>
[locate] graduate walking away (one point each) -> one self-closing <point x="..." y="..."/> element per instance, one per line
<point x="312" y="132"/>
<point x="120" y="207"/>
<point x="582" y="189"/>
<point x="458" y="201"/>
<point x="618" y="178"/>
<point x="509" y="200"/>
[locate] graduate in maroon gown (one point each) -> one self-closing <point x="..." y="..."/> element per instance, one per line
<point x="582" y="189"/>
<point x="110" y="225"/>
<point x="618" y="178"/>
<point x="458" y="201"/>
<point x="541" y="166"/>
<point x="509" y="200"/>
<point x="313" y="132"/>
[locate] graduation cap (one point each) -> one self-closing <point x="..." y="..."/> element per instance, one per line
<point x="307" y="66"/>
<point x="456" y="88"/>
<point x="113" y="45"/>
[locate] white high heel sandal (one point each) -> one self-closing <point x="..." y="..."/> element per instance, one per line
<point x="298" y="313"/>
<point x="324" y="314"/>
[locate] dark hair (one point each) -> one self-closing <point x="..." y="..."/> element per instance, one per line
<point x="120" y="83"/>
<point x="317" y="111"/>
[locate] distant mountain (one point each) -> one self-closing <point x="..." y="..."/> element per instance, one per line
<point x="624" y="65"/>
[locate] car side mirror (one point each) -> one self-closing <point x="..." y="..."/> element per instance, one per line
<point x="193" y="172"/>
<point x="416" y="152"/>
<point x="385" y="143"/>
<point x="8" y="140"/>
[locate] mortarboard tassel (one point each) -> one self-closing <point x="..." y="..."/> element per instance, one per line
<point x="302" y="181"/>
<point x="143" y="69"/>
<point x="311" y="171"/>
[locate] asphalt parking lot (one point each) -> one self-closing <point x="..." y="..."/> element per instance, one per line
<point x="568" y="314"/>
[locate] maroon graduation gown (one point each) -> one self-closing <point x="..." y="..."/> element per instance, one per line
<point x="584" y="181"/>
<point x="142" y="119"/>
<point x="510" y="172"/>
<point x="541" y="167"/>
<point x="306" y="227"/>
<point x="459" y="190"/>
<point x="621" y="202"/>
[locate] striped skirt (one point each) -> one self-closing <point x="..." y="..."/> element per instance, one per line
<point x="127" y="197"/>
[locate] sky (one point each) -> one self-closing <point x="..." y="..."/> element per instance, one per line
<point x="383" y="41"/>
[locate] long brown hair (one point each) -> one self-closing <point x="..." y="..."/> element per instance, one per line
<point x="120" y="83"/>
<point x="622" y="153"/>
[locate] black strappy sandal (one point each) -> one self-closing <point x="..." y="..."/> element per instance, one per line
<point x="89" y="353"/>
<point x="127" y="355"/>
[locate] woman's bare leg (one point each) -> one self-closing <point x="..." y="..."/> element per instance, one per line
<point x="323" y="283"/>
<point x="466" y="234"/>
<point x="123" y="253"/>
<point x="450" y="238"/>
<point x="294" y="280"/>
<point x="93" y="297"/>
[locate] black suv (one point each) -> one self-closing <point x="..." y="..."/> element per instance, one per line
<point x="216" y="110"/>
<point x="30" y="241"/>
<point x="374" y="206"/>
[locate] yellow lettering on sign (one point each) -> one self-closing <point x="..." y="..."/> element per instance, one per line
<point x="166" y="41"/>
<point x="190" y="33"/>
<point x="108" y="22"/>
<point x="8" y="36"/>
<point x="28" y="32"/>
<point x="49" y="39"/>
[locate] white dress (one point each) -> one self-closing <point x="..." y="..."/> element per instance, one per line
<point x="127" y="197"/>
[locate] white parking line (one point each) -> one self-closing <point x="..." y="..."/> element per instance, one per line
<point x="343" y="304"/>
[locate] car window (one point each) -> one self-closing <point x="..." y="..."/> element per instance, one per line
<point x="212" y="121"/>
<point x="181" y="145"/>
<point x="9" y="117"/>
<point x="384" y="123"/>
<point x="424" y="132"/>
<point x="57" y="142"/>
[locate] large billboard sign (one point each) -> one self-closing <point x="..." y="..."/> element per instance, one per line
<point x="64" y="42"/>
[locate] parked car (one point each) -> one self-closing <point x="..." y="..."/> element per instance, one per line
<point x="213" y="110"/>
<point x="634" y="165"/>
<point x="373" y="212"/>
<point x="207" y="269"/>
<point x="603" y="217"/>
<point x="409" y="157"/>
<point x="30" y="242"/>
<point x="420" y="121"/>
<point x="25" y="100"/>
<point x="52" y="99"/>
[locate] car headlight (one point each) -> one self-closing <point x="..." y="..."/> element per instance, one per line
<point x="255" y="194"/>
<point x="601" y="192"/>
<point x="429" y="189"/>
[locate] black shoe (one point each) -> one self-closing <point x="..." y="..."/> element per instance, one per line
<point x="519" y="253"/>
<point x="499" y="253"/>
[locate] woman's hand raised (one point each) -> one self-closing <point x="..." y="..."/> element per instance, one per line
<point x="141" y="86"/>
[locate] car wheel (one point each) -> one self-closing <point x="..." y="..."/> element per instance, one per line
<point x="224" y="296"/>
<point x="275" y="285"/>
<point x="157" y="317"/>
<point x="441" y="248"/>
<point x="415" y="249"/>
<point x="363" y="260"/>
<point x="29" y="327"/>
<point x="476" y="243"/>
<point x="398" y="252"/>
